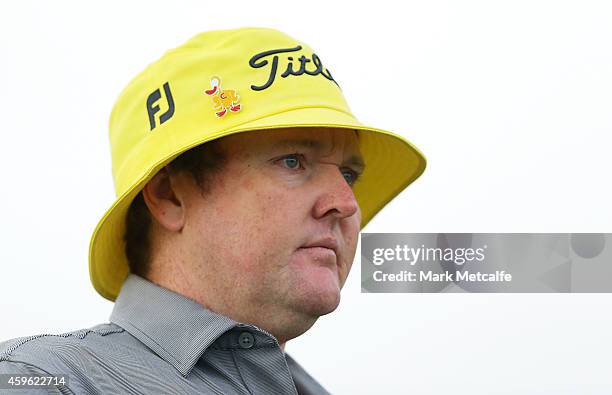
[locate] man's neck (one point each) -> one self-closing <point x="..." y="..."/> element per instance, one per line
<point x="171" y="285"/>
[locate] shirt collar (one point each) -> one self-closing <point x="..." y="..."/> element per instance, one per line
<point x="176" y="328"/>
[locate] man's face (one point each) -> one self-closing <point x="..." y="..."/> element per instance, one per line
<point x="276" y="232"/>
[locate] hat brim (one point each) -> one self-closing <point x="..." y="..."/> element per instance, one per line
<point x="392" y="163"/>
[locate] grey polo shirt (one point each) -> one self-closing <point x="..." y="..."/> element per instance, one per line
<point x="160" y="342"/>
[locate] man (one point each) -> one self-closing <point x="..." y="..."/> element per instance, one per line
<point x="243" y="181"/>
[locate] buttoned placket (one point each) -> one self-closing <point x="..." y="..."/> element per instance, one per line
<point x="258" y="359"/>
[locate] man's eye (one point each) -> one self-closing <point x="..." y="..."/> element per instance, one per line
<point x="350" y="176"/>
<point x="292" y="161"/>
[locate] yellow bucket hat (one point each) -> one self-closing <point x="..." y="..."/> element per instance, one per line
<point x="220" y="83"/>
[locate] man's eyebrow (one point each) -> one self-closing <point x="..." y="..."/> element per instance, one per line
<point x="355" y="160"/>
<point x="303" y="143"/>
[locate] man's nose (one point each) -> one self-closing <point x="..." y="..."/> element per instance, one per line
<point x="336" y="197"/>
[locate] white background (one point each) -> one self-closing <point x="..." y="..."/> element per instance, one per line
<point x="510" y="101"/>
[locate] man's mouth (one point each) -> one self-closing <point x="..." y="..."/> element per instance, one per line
<point x="324" y="249"/>
<point x="328" y="243"/>
<point x="321" y="255"/>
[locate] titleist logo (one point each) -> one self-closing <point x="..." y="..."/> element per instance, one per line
<point x="261" y="60"/>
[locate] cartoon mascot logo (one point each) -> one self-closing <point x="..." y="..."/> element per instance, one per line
<point x="223" y="99"/>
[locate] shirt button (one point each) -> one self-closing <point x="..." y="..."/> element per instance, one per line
<point x="246" y="340"/>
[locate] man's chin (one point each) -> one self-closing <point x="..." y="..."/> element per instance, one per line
<point x="303" y="306"/>
<point x="320" y="303"/>
<point x="315" y="289"/>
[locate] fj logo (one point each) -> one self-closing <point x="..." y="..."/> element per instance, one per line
<point x="153" y="107"/>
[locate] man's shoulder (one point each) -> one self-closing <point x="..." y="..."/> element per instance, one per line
<point x="64" y="353"/>
<point x="37" y="347"/>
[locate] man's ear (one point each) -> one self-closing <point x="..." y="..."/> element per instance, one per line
<point x="164" y="196"/>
